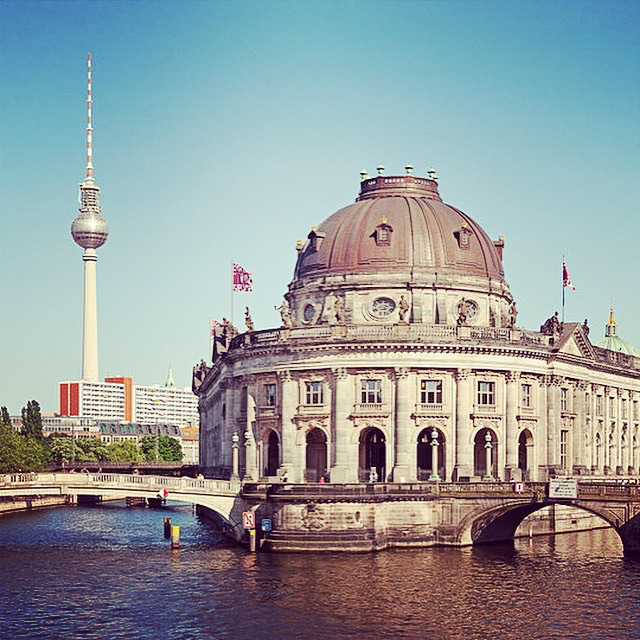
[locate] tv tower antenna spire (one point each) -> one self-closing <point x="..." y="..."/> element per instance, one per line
<point x="89" y="177"/>
<point x="90" y="231"/>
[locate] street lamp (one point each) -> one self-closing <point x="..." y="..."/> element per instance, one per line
<point x="235" y="439"/>
<point x="487" y="448"/>
<point x="434" y="477"/>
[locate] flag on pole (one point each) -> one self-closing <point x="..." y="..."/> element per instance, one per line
<point x="242" y="280"/>
<point x="214" y="325"/>
<point x="566" y="280"/>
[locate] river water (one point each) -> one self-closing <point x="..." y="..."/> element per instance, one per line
<point x="107" y="572"/>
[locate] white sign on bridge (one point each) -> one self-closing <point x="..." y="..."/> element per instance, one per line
<point x="563" y="488"/>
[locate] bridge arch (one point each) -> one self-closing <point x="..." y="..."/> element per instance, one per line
<point x="498" y="523"/>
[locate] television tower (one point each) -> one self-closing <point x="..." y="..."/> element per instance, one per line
<point x="90" y="231"/>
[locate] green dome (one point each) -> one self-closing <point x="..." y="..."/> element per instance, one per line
<point x="613" y="342"/>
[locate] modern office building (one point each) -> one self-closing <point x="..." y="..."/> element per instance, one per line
<point x="117" y="398"/>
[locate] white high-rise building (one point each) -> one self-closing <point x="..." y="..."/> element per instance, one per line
<point x="117" y="398"/>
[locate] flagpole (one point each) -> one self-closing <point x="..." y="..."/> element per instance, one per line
<point x="211" y="338"/>
<point x="232" y="274"/>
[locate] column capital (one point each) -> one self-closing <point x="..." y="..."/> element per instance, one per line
<point x="340" y="373"/>
<point x="284" y="375"/>
<point x="512" y="376"/>
<point x="401" y="373"/>
<point x="462" y="374"/>
<point x="553" y="380"/>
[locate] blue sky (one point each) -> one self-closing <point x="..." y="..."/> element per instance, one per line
<point x="224" y="130"/>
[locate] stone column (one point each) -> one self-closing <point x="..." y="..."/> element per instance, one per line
<point x="511" y="441"/>
<point x="606" y="431"/>
<point x="235" y="460"/>
<point x="343" y="469"/>
<point x="402" y="471"/>
<point x="251" y="451"/>
<point x="554" y="420"/>
<point x="464" y="403"/>
<point x="288" y="404"/>
<point x="579" y="453"/>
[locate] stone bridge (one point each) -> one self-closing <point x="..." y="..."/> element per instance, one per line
<point x="375" y="516"/>
<point x="221" y="496"/>
<point x="359" y="517"/>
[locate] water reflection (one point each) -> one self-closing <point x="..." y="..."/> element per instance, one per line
<point x="108" y="573"/>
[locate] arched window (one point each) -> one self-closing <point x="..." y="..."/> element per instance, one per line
<point x="316" y="455"/>
<point x="273" y="454"/>
<point x="373" y="452"/>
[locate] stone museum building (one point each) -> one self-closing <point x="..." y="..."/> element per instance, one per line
<point x="400" y="359"/>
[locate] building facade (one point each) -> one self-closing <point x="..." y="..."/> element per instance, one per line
<point x="400" y="359"/>
<point x="117" y="398"/>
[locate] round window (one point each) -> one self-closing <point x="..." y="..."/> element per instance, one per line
<point x="382" y="307"/>
<point x="309" y="312"/>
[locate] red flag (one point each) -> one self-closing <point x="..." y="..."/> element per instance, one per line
<point x="242" y="280"/>
<point x="214" y="325"/>
<point x="566" y="280"/>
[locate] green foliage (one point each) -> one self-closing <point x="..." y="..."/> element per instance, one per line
<point x="126" y="451"/>
<point x="65" y="449"/>
<point x="19" y="453"/>
<point x="32" y="420"/>
<point x="5" y="418"/>
<point x="161" y="448"/>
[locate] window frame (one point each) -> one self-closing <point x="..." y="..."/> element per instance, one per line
<point x="486" y="397"/>
<point x="314" y="392"/>
<point x="270" y="394"/>
<point x="435" y="393"/>
<point x="371" y="391"/>
<point x="526" y="398"/>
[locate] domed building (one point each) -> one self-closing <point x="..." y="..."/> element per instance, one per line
<point x="400" y="360"/>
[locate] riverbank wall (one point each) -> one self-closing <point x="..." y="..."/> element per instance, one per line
<point x="9" y="504"/>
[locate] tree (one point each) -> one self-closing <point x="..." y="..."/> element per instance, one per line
<point x="170" y="449"/>
<point x="125" y="452"/>
<point x="163" y="448"/>
<point x="5" y="418"/>
<point x="61" y="449"/>
<point x="20" y="453"/>
<point x="32" y="420"/>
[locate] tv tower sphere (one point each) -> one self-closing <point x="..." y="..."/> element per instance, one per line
<point x="90" y="230"/>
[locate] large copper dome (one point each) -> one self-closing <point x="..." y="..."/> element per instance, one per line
<point x="399" y="254"/>
<point x="419" y="232"/>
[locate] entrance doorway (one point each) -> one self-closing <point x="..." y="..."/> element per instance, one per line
<point x="316" y="455"/>
<point x="273" y="454"/>
<point x="373" y="452"/>
<point x="525" y="445"/>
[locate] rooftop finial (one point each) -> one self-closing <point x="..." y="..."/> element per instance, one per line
<point x="89" y="123"/>
<point x="432" y="174"/>
<point x="610" y="329"/>
<point x="170" y="382"/>
<point x="363" y="175"/>
<point x="380" y="170"/>
<point x="409" y="168"/>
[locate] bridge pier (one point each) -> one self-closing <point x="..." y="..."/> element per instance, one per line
<point x="630" y="534"/>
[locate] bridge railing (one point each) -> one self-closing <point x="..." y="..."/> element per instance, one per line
<point x="114" y="481"/>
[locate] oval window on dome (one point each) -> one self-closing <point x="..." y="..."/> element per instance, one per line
<point x="382" y="307"/>
<point x="309" y="312"/>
